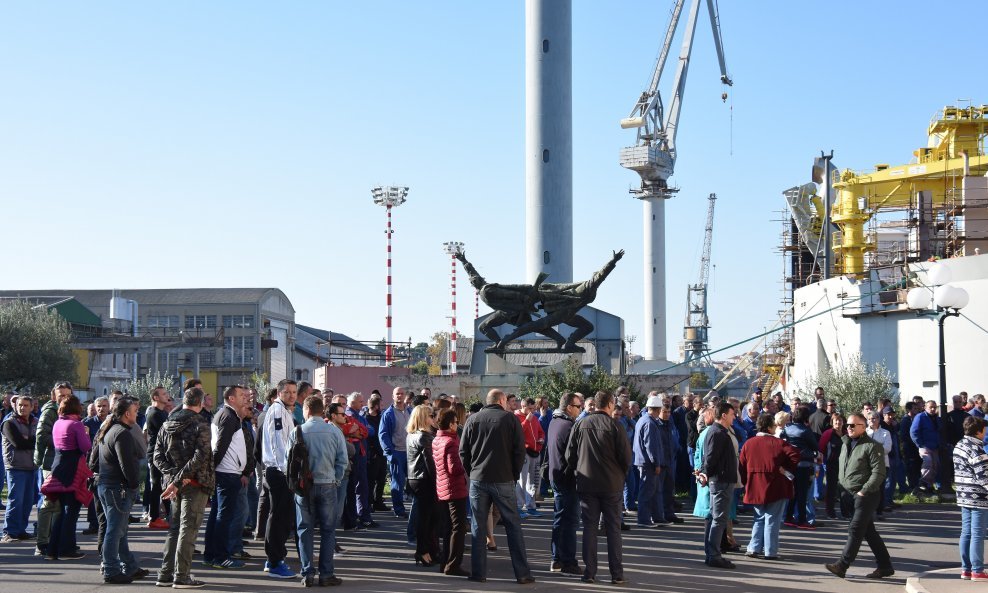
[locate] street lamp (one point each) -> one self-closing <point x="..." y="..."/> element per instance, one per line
<point x="948" y="301"/>
<point x="389" y="196"/>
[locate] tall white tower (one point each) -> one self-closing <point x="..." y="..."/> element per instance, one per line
<point x="549" y="139"/>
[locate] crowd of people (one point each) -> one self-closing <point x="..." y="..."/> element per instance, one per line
<point x="304" y="462"/>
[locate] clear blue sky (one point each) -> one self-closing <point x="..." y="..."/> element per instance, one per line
<point x="190" y="144"/>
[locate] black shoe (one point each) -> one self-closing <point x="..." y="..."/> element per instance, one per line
<point x="133" y="520"/>
<point x="381" y="507"/>
<point x="586" y="579"/>
<point x="477" y="579"/>
<point x="772" y="558"/>
<point x="309" y="581"/>
<point x="526" y="580"/>
<point x="573" y="570"/>
<point x="880" y="573"/>
<point x="330" y="581"/>
<point x="369" y="524"/>
<point x="618" y="581"/>
<point x="72" y="556"/>
<point x="753" y="554"/>
<point x="189" y="583"/>
<point x="139" y="574"/>
<point x="164" y="580"/>
<point x="118" y="579"/>
<point x="837" y="568"/>
<point x="90" y="531"/>
<point x="735" y="549"/>
<point x="720" y="563"/>
<point x="625" y="526"/>
<point x="556" y="566"/>
<point x="677" y="520"/>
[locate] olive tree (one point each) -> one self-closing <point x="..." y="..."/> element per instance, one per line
<point x="35" y="349"/>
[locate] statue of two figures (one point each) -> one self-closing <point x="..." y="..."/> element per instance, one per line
<point x="537" y="308"/>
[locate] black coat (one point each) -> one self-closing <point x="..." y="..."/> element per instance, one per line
<point x="492" y="447"/>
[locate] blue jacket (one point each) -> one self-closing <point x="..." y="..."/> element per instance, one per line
<point x="740" y="432"/>
<point x="646" y="442"/>
<point x="925" y="431"/>
<point x="804" y="439"/>
<point x="750" y="427"/>
<point x="666" y="450"/>
<point x="386" y="429"/>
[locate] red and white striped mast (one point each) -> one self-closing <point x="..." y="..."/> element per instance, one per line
<point x="389" y="196"/>
<point x="453" y="248"/>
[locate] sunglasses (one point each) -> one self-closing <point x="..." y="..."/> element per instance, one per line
<point x="853" y="425"/>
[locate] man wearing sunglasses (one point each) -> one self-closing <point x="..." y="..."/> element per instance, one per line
<point x="862" y="473"/>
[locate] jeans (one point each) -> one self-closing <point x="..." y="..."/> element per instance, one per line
<point x="862" y="526"/>
<point x="649" y="496"/>
<point x="153" y="497"/>
<point x="318" y="508"/>
<point x="253" y="498"/>
<point x="341" y="499"/>
<point x="398" y="466"/>
<point x="117" y="501"/>
<point x="972" y="542"/>
<point x="240" y="521"/>
<point x="187" y="509"/>
<point x="220" y="526"/>
<point x="592" y="506"/>
<point x="564" y="523"/>
<point x="20" y="500"/>
<point x="524" y="485"/>
<point x="62" y="540"/>
<point x="765" y="528"/>
<point x="361" y="491"/>
<point x="721" y="494"/>
<point x="796" y="510"/>
<point x="281" y="518"/>
<point x="501" y="494"/>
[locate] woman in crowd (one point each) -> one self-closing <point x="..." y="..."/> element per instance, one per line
<point x="119" y="479"/>
<point x="18" y="457"/>
<point x="422" y="483"/>
<point x="764" y="462"/>
<point x="451" y="489"/>
<point x="67" y="481"/>
<point x="971" y="484"/>
<point x="831" y="444"/>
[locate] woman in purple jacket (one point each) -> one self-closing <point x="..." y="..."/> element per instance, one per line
<point x="67" y="482"/>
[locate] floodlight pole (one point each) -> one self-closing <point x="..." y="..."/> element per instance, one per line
<point x="390" y="197"/>
<point x="453" y="248"/>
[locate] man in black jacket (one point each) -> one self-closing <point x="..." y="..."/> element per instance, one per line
<point x="598" y="456"/>
<point x="719" y="471"/>
<point x="231" y="461"/>
<point x="567" y="505"/>
<point x="185" y="459"/>
<point x="492" y="450"/>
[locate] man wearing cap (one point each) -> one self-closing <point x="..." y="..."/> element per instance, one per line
<point x="647" y="454"/>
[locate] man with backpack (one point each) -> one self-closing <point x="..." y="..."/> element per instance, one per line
<point x="317" y="462"/>
<point x="185" y="459"/>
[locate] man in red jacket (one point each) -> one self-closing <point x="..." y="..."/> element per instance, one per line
<point x="528" y="481"/>
<point x="767" y="464"/>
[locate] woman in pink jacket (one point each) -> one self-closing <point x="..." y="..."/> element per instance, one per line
<point x="67" y="482"/>
<point x="451" y="488"/>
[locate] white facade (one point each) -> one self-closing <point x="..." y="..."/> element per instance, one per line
<point x="892" y="334"/>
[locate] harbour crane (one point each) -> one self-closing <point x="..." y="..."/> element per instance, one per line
<point x="653" y="157"/>
<point x="695" y="343"/>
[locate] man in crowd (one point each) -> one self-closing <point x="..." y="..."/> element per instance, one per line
<point x="44" y="456"/>
<point x="155" y="418"/>
<point x="358" y="491"/>
<point x="567" y="504"/>
<point x="820" y="420"/>
<point x="492" y="450"/>
<point x="392" y="436"/>
<point x="19" y="430"/>
<point x="925" y="433"/>
<point x="719" y="471"/>
<point x="648" y="456"/>
<point x="278" y="425"/>
<point x="318" y="507"/>
<point x="527" y="487"/>
<point x="184" y="457"/>
<point x="230" y="460"/>
<point x="669" y="448"/>
<point x="377" y="463"/>
<point x="862" y="473"/>
<point x="597" y="456"/>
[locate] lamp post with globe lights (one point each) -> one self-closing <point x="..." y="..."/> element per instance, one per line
<point x="947" y="301"/>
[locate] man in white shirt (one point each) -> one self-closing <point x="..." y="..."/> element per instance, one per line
<point x="278" y="425"/>
<point x="230" y="459"/>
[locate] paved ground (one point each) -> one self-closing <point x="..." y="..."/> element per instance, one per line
<point x="920" y="538"/>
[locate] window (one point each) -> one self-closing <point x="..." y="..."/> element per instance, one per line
<point x="238" y="321"/>
<point x="207" y="357"/>
<point x="238" y="351"/>
<point x="200" y="322"/>
<point x="162" y="321"/>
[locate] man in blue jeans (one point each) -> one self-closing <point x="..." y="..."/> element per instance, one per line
<point x="567" y="505"/>
<point x="18" y="449"/>
<point x="492" y="450"/>
<point x="328" y="462"/>
<point x="719" y="469"/>
<point x="232" y="462"/>
<point x="392" y="436"/>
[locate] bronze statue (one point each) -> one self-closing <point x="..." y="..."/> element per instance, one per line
<point x="516" y="304"/>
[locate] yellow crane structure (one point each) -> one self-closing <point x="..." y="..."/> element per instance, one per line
<point x="954" y="151"/>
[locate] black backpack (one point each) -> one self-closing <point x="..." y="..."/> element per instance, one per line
<point x="299" y="473"/>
